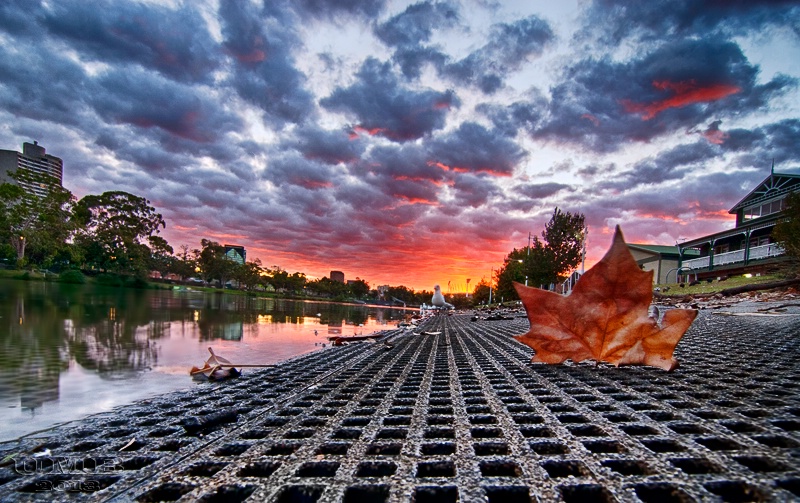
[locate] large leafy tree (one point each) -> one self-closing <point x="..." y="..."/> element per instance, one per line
<point x="31" y="220"/>
<point x="787" y="231"/>
<point x="547" y="260"/>
<point x="116" y="229"/>
<point x="563" y="236"/>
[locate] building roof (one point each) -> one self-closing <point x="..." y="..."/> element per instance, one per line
<point x="661" y="249"/>
<point x="774" y="185"/>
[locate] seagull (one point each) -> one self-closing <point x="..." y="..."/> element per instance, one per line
<point x="438" y="299"/>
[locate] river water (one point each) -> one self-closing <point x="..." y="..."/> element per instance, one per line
<point x="68" y="351"/>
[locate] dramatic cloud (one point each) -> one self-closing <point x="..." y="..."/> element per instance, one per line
<point x="473" y="148"/>
<point x="174" y="42"/>
<point x="408" y="144"/>
<point x="382" y="106"/>
<point x="417" y="23"/>
<point x="261" y="45"/>
<point x="333" y="9"/>
<point x="508" y="48"/>
<point x="615" y="20"/>
<point x="603" y="105"/>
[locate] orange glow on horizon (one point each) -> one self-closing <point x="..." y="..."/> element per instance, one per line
<point x="686" y="93"/>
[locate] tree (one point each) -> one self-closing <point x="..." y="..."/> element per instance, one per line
<point x="161" y="258"/>
<point x="563" y="236"/>
<point x="183" y="264"/>
<point x="213" y="262"/>
<point x="359" y="288"/>
<point x="787" y="231"/>
<point x="27" y="219"/>
<point x="282" y="280"/>
<point x="328" y="287"/>
<point x="249" y="274"/>
<point x="115" y="227"/>
<point x="547" y="260"/>
<point x="480" y="295"/>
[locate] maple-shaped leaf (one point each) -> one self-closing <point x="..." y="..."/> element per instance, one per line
<point x="605" y="318"/>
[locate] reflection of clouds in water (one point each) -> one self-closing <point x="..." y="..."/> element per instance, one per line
<point x="83" y="350"/>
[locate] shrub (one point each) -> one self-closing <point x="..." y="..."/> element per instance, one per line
<point x="73" y="276"/>
<point x="136" y="282"/>
<point x="108" y="279"/>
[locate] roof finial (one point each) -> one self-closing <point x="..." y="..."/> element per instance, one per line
<point x="773" y="166"/>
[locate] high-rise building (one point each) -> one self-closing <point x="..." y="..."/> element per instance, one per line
<point x="34" y="159"/>
<point x="337" y="276"/>
<point x="236" y="253"/>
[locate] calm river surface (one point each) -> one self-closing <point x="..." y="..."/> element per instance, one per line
<point x="68" y="351"/>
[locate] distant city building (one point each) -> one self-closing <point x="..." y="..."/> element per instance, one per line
<point x="236" y="253"/>
<point x="35" y="159"/>
<point x="337" y="276"/>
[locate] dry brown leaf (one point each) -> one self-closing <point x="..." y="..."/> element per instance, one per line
<point x="605" y="318"/>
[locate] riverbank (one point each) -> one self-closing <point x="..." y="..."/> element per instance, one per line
<point x="452" y="412"/>
<point x="116" y="281"/>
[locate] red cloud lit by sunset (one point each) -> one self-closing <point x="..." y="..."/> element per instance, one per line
<point x="713" y="133"/>
<point x="255" y="53"/>
<point x="591" y="118"/>
<point x="685" y="93"/>
<point x="458" y="169"/>
<point x="354" y="133"/>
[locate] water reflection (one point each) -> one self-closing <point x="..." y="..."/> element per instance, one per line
<point x="68" y="350"/>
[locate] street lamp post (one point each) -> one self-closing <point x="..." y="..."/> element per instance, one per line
<point x="490" y="286"/>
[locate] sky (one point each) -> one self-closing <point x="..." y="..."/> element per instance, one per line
<point x="408" y="143"/>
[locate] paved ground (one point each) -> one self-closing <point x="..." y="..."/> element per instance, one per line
<point x="457" y="414"/>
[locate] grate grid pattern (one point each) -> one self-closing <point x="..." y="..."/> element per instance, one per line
<point x="459" y="414"/>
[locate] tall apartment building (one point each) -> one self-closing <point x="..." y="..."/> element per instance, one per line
<point x="236" y="253"/>
<point x="35" y="159"/>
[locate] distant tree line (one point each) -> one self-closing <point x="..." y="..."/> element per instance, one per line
<point x="117" y="233"/>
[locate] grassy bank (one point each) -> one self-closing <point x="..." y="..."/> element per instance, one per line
<point x="705" y="288"/>
<point x="76" y="277"/>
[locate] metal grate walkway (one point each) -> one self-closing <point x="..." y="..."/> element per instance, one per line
<point x="461" y="415"/>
